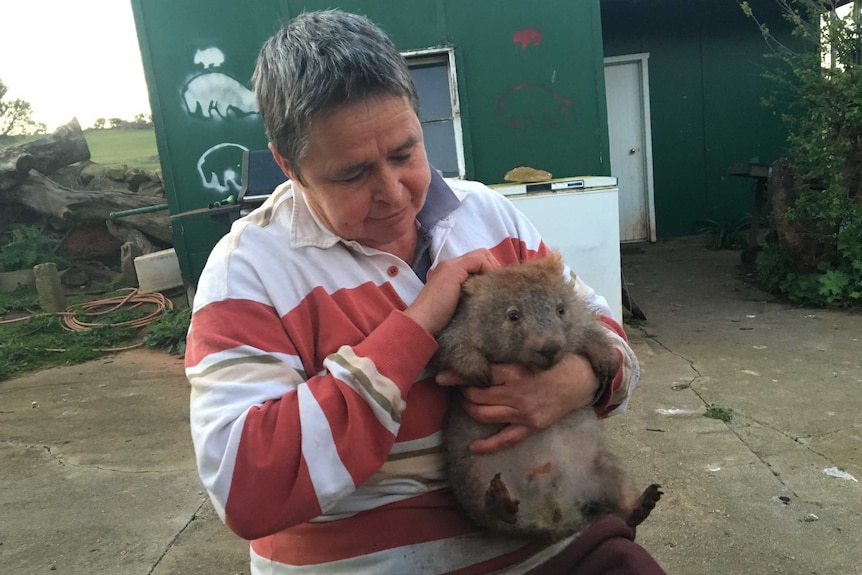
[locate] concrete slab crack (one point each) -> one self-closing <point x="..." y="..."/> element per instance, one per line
<point x="176" y="537"/>
<point x="61" y="461"/>
<point x="707" y="404"/>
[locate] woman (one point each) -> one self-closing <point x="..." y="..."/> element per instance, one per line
<point x="315" y="422"/>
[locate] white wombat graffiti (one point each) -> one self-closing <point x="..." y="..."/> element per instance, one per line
<point x="216" y="95"/>
<point x="220" y="167"/>
<point x="209" y="57"/>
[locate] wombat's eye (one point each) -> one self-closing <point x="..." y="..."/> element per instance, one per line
<point x="513" y="314"/>
<point x="561" y="309"/>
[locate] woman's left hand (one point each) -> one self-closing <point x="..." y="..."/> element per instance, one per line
<point x="527" y="401"/>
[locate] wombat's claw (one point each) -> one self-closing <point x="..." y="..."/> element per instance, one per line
<point x="644" y="505"/>
<point x="499" y="502"/>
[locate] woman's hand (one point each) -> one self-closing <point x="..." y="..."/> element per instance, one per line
<point x="435" y="304"/>
<point x="527" y="401"/>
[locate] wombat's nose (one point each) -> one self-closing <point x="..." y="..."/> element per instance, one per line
<point x="551" y="350"/>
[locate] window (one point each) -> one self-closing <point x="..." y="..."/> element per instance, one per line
<point x="434" y="75"/>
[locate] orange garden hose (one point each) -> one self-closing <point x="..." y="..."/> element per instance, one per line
<point x="101" y="307"/>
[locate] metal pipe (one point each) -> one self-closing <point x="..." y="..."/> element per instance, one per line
<point x="136" y="211"/>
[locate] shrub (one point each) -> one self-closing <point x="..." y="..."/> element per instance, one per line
<point x="169" y="332"/>
<point x="825" y="147"/>
<point x="29" y="247"/>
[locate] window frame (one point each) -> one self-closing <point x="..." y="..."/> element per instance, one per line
<point x="444" y="55"/>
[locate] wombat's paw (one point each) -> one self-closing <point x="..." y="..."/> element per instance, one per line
<point x="480" y="380"/>
<point x="603" y="359"/>
<point x="475" y="371"/>
<point x="499" y="503"/>
<point x="644" y="505"/>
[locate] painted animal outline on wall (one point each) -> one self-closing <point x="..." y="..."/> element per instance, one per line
<point x="213" y="94"/>
<point x="530" y="106"/>
<point x="209" y="57"/>
<point x="220" y="167"/>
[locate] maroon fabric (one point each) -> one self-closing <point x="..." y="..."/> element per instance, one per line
<point x="607" y="547"/>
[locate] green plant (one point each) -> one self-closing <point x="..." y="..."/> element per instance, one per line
<point x="169" y="332"/>
<point x="726" y="236"/>
<point x="29" y="246"/>
<point x="22" y="299"/>
<point x="720" y="413"/>
<point x="825" y="148"/>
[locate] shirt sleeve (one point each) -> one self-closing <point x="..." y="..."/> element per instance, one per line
<point x="615" y="398"/>
<point x="276" y="446"/>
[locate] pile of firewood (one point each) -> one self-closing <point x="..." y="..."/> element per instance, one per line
<point x="29" y="176"/>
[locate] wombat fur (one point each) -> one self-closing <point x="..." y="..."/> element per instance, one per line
<point x="555" y="482"/>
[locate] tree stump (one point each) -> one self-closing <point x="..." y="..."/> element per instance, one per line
<point x="805" y="250"/>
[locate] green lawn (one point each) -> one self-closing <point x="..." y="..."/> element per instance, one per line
<point x="135" y="148"/>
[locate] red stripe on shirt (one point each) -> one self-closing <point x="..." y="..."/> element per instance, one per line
<point x="231" y="323"/>
<point x="345" y="317"/>
<point x="514" y="250"/>
<point x="270" y="487"/>
<point x="421" y="519"/>
<point x="426" y="410"/>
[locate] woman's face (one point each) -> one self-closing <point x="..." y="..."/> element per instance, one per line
<point x="366" y="174"/>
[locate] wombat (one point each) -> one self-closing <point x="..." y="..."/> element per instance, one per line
<point x="555" y="482"/>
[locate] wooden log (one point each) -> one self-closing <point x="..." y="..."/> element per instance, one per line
<point x="15" y="163"/>
<point x="40" y="193"/>
<point x="66" y="145"/>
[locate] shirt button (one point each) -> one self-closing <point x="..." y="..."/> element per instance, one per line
<point x="392" y="271"/>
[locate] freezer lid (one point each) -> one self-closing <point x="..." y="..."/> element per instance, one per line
<point x="571" y="184"/>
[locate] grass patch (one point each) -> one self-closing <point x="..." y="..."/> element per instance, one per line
<point x="720" y="413"/>
<point x="38" y="340"/>
<point x="135" y="148"/>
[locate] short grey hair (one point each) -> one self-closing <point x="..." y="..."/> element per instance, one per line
<point x="317" y="63"/>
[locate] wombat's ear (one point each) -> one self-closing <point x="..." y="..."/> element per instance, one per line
<point x="554" y="261"/>
<point x="470" y="286"/>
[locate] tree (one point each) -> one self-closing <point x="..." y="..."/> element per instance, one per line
<point x="143" y="120"/>
<point x="16" y="116"/>
<point x="99" y="124"/>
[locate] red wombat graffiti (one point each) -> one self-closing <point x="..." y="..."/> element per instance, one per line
<point x="527" y="37"/>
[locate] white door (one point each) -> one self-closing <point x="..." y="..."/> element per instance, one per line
<point x="627" y="91"/>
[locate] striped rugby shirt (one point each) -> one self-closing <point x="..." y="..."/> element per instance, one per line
<point x="316" y="426"/>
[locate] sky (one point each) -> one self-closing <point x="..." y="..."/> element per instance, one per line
<point x="72" y="58"/>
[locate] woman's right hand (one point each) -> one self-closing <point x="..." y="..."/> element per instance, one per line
<point x="435" y="304"/>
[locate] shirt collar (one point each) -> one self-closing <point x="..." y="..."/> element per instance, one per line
<point x="439" y="202"/>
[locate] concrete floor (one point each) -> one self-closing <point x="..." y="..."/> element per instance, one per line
<point x="97" y="473"/>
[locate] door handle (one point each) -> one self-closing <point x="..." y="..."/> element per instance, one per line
<point x="633" y="151"/>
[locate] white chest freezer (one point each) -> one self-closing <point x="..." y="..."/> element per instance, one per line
<point x="580" y="218"/>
